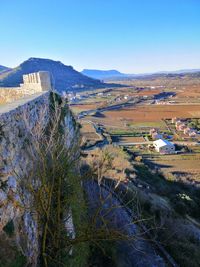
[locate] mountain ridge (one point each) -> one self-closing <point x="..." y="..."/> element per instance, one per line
<point x="4" y="69"/>
<point x="63" y="77"/>
<point x="115" y="74"/>
<point x="102" y="74"/>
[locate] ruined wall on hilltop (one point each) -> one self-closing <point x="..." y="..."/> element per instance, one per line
<point x="32" y="83"/>
<point x="15" y="164"/>
<point x="36" y="82"/>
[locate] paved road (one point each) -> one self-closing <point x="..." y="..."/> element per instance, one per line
<point x="113" y="107"/>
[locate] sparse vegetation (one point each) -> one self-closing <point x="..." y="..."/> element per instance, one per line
<point x="9" y="228"/>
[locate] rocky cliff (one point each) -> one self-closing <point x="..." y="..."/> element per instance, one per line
<point x="18" y="129"/>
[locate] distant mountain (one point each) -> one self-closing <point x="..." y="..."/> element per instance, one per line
<point x="103" y="74"/>
<point x="116" y="75"/>
<point x="63" y="77"/>
<point x="178" y="71"/>
<point x="3" y="69"/>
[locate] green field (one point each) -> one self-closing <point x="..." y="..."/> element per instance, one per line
<point x="148" y="124"/>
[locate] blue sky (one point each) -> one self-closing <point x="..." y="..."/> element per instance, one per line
<point x="132" y="36"/>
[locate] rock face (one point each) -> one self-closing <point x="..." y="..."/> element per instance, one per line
<point x="63" y="77"/>
<point x="15" y="165"/>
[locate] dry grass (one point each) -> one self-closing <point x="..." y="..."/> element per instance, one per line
<point x="117" y="161"/>
<point x="88" y="133"/>
<point x="146" y="116"/>
<point x="155" y="113"/>
<point x="180" y="167"/>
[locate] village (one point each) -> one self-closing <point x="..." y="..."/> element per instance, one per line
<point x="153" y="123"/>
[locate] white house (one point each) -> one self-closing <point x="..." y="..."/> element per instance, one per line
<point x="164" y="146"/>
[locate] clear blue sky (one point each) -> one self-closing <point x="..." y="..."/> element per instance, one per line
<point x="129" y="35"/>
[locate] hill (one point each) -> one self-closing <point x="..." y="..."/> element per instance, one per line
<point x="102" y="74"/>
<point x="179" y="75"/>
<point x="63" y="77"/>
<point x="114" y="75"/>
<point x="3" y="69"/>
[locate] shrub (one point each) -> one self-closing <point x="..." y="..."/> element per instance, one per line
<point x="9" y="228"/>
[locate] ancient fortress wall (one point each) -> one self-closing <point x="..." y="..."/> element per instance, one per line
<point x="32" y="83"/>
<point x="16" y="126"/>
<point x="10" y="94"/>
<point x="36" y="82"/>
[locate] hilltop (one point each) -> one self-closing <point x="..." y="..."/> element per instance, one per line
<point x="63" y="77"/>
<point x="102" y="74"/>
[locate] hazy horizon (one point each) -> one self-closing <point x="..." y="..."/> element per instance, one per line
<point x="129" y="36"/>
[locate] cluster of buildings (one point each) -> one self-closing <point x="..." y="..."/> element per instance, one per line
<point x="160" y="144"/>
<point x="73" y="96"/>
<point x="159" y="102"/>
<point x="155" y="134"/>
<point x="183" y="127"/>
<point x="104" y="94"/>
<point x="121" y="98"/>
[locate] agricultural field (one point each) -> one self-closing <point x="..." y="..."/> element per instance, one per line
<point x="132" y="124"/>
<point x="181" y="167"/>
<point x="83" y="107"/>
<point x="154" y="113"/>
<point x="188" y="94"/>
<point x="167" y="185"/>
<point x="142" y="118"/>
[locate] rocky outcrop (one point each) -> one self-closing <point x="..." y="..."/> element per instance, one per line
<point x="16" y="126"/>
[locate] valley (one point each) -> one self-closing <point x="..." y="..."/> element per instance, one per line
<point x="167" y="185"/>
<point x="100" y="133"/>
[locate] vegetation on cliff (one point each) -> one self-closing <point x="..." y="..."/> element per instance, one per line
<point x="75" y="217"/>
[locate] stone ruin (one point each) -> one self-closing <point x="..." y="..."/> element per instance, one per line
<point x="36" y="82"/>
<point x="33" y="83"/>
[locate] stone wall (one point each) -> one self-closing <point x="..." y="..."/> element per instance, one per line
<point x="10" y="94"/>
<point x="15" y="129"/>
<point x="36" y="82"/>
<point x="32" y="83"/>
